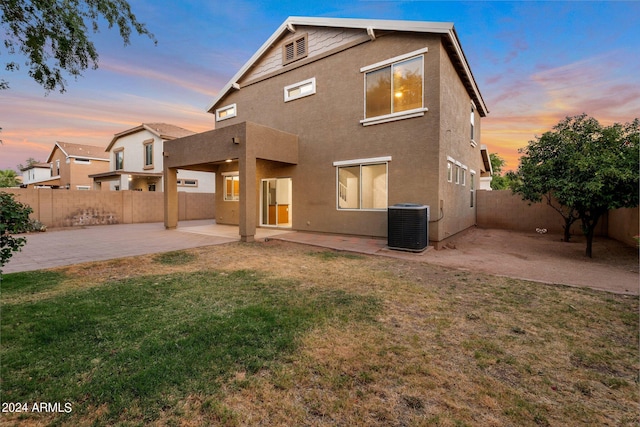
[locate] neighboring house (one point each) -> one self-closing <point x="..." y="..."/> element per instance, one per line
<point x="35" y="174"/>
<point x="332" y="121"/>
<point x="68" y="167"/>
<point x="136" y="161"/>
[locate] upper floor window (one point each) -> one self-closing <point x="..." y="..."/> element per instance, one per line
<point x="119" y="159"/>
<point x="473" y="122"/>
<point x="226" y="112"/>
<point x="300" y="89"/>
<point x="148" y="154"/>
<point x="187" y="182"/>
<point x="57" y="167"/>
<point x="81" y="160"/>
<point x="394" y="88"/>
<point x="294" y="49"/>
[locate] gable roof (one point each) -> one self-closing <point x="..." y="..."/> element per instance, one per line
<point x="79" y="150"/>
<point x="451" y="41"/>
<point x="164" y="131"/>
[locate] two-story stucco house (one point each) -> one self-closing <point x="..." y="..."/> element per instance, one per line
<point x="332" y="121"/>
<point x="68" y="166"/>
<point x="136" y="161"/>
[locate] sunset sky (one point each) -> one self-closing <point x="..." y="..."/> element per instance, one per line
<point x="535" y="63"/>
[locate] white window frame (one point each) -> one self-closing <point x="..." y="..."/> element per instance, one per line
<point x="82" y="161"/>
<point x="116" y="153"/>
<point x="416" y="112"/>
<point x="145" y="145"/>
<point x="463" y="178"/>
<point x="182" y="182"/>
<point x="300" y="85"/>
<point x="226" y="109"/>
<point x="362" y="162"/>
<point x="472" y="187"/>
<point x="234" y="176"/>
<point x="449" y="171"/>
<point x="473" y="126"/>
<point x="83" y="187"/>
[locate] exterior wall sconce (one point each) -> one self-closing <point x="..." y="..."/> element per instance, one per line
<point x="235" y="140"/>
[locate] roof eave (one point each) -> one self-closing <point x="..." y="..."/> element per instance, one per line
<point x="444" y="28"/>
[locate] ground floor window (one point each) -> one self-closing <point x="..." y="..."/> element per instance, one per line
<point x="362" y="184"/>
<point x="231" y="187"/>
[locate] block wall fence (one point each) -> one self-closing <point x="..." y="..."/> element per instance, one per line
<point x="504" y="210"/>
<point x="495" y="209"/>
<point x="62" y="208"/>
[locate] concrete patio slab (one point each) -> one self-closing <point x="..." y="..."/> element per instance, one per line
<point x="60" y="247"/>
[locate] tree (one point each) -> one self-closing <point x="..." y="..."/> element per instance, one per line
<point x="30" y="162"/>
<point x="14" y="218"/>
<point x="583" y="170"/>
<point x="498" y="180"/>
<point x="53" y="36"/>
<point x="8" y="178"/>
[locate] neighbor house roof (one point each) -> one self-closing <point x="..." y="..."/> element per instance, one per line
<point x="371" y="26"/>
<point x="164" y="131"/>
<point x="36" y="165"/>
<point x="82" y="151"/>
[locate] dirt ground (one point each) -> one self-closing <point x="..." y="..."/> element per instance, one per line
<point x="540" y="257"/>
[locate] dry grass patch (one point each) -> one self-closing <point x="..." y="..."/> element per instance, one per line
<point x="445" y="347"/>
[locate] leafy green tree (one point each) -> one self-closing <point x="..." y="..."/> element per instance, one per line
<point x="8" y="178"/>
<point x="498" y="180"/>
<point x="53" y="35"/>
<point x="14" y="218"/>
<point x="583" y="170"/>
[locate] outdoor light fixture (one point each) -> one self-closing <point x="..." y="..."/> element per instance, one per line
<point x="235" y="140"/>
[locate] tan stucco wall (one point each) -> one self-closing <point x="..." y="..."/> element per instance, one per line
<point x="329" y="130"/>
<point x="62" y="208"/>
<point x="456" y="212"/>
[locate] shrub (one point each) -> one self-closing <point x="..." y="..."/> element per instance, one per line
<point x="14" y="218"/>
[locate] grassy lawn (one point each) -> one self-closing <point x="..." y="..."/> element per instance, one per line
<point x="282" y="334"/>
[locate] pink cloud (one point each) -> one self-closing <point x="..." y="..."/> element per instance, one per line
<point x="523" y="108"/>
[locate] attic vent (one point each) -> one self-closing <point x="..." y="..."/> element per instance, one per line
<point x="295" y="49"/>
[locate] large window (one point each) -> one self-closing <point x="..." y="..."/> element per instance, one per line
<point x="362" y="185"/>
<point x="394" y="88"/>
<point x="231" y="187"/>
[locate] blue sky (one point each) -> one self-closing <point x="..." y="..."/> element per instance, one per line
<point x="535" y="63"/>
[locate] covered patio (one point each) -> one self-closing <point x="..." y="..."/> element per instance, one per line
<point x="236" y="149"/>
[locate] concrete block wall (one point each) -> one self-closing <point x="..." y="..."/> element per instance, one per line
<point x="624" y="225"/>
<point x="62" y="208"/>
<point x="504" y="210"/>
